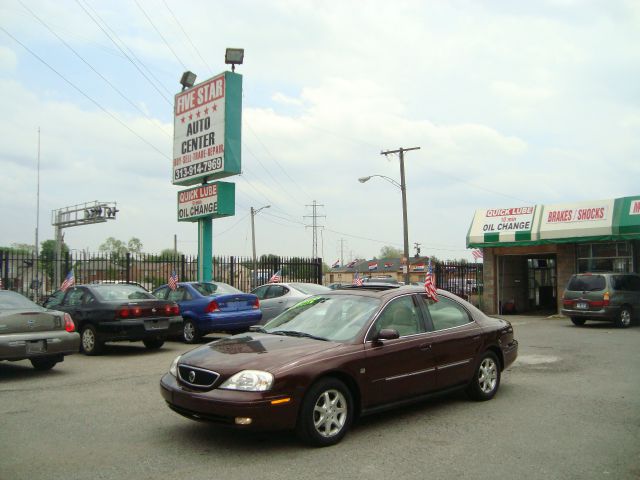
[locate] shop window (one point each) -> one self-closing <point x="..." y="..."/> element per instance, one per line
<point x="605" y="257"/>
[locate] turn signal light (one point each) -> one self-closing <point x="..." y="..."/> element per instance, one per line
<point x="605" y="299"/>
<point x="256" y="304"/>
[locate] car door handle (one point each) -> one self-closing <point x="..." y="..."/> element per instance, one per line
<point x="425" y="347"/>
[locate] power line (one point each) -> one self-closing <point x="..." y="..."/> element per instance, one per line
<point x="127" y="99"/>
<point x="123" y="52"/>
<point x="78" y="89"/>
<point x="161" y="36"/>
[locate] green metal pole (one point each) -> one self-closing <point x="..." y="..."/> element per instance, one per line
<point x="205" y="249"/>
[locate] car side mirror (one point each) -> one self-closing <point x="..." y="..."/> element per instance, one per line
<point x="387" y="334"/>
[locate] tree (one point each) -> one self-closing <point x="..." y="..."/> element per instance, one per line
<point x="390" y="252"/>
<point x="48" y="256"/>
<point x="117" y="248"/>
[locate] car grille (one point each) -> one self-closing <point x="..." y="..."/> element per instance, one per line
<point x="197" y="377"/>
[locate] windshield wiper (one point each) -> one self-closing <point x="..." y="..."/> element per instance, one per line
<point x="293" y="333"/>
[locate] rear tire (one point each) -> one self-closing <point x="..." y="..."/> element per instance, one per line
<point x="486" y="379"/>
<point x="326" y="413"/>
<point x="624" y="318"/>
<point x="43" y="364"/>
<point x="190" y="333"/>
<point x="153" y="343"/>
<point x="89" y="342"/>
<point x="578" y="322"/>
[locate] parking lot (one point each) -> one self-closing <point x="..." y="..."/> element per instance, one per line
<point x="569" y="408"/>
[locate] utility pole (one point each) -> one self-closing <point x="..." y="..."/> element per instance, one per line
<point x="254" y="212"/>
<point x="403" y="189"/>
<point x="342" y="252"/>
<point x="416" y="246"/>
<point x="315" y="226"/>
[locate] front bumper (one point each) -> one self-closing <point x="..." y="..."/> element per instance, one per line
<point x="224" y="406"/>
<point x="510" y="353"/>
<point x="38" y="344"/>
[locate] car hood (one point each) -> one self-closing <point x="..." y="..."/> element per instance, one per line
<point x="254" y="351"/>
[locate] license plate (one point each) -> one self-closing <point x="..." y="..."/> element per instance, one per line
<point x="582" y="305"/>
<point x="38" y="346"/>
<point x="157" y="325"/>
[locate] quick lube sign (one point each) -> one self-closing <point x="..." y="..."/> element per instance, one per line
<point x="212" y="200"/>
<point x="207" y="130"/>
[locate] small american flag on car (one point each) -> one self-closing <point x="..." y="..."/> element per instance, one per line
<point x="429" y="285"/>
<point x="357" y="280"/>
<point x="477" y="254"/>
<point x="173" y="280"/>
<point x="276" y="277"/>
<point x="69" y="281"/>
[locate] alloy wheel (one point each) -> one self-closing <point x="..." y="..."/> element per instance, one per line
<point x="88" y="340"/>
<point x="330" y="413"/>
<point x="487" y="375"/>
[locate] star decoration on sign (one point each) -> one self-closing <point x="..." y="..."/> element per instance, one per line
<point x="182" y="119"/>
<point x="190" y="116"/>
<point x="198" y="114"/>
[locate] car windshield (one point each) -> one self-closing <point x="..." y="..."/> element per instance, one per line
<point x="219" y="288"/>
<point x="310" y="288"/>
<point x="14" y="301"/>
<point x="337" y="318"/>
<point x="120" y="292"/>
<point x="586" y="283"/>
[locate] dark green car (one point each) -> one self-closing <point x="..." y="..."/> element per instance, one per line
<point x="613" y="297"/>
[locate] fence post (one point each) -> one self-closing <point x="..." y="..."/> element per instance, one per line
<point x="182" y="269"/>
<point x="128" y="267"/>
<point x="232" y="271"/>
<point x="319" y="271"/>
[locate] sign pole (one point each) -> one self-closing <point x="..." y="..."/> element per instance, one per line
<point x="205" y="249"/>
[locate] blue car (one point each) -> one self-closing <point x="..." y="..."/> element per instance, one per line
<point x="212" y="307"/>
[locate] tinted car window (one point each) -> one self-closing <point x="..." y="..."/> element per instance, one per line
<point x="446" y="313"/>
<point x="207" y="289"/>
<point x="177" y="295"/>
<point x="12" y="300"/>
<point x="54" y="299"/>
<point x="634" y="283"/>
<point x="260" y="292"/>
<point x="120" y="292"/>
<point x="400" y="314"/>
<point x="337" y="318"/>
<point x="276" y="291"/>
<point x="74" y="297"/>
<point x="310" y="288"/>
<point x="161" y="293"/>
<point x="586" y="283"/>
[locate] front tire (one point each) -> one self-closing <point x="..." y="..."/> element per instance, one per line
<point x="153" y="343"/>
<point x="43" y="364"/>
<point x="190" y="333"/>
<point x="577" y="321"/>
<point x="326" y="413"/>
<point x="624" y="318"/>
<point x="89" y="342"/>
<point x="486" y="379"/>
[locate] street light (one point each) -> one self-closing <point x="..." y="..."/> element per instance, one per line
<point x="188" y="80"/>
<point x="254" y="212"/>
<point x="403" y="188"/>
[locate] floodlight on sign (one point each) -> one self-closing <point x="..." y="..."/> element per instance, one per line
<point x="233" y="57"/>
<point x="188" y="80"/>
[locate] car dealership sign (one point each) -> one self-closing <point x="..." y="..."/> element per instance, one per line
<point x="212" y="200"/>
<point x="207" y="130"/>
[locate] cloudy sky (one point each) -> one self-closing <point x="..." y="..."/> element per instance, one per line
<point x="512" y="103"/>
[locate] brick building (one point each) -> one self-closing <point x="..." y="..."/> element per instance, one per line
<point x="531" y="252"/>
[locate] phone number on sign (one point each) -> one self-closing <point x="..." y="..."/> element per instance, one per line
<point x="198" y="168"/>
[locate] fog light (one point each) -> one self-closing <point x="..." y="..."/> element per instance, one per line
<point x="243" y="420"/>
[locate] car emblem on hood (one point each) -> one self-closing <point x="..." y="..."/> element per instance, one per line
<point x="192" y="376"/>
<point x="153" y="310"/>
<point x="32" y="323"/>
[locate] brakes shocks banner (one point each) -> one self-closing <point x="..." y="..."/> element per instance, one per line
<point x="595" y="220"/>
<point x="214" y="200"/>
<point x="207" y="129"/>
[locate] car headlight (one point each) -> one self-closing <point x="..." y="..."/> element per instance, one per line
<point x="249" y="381"/>
<point x="173" y="369"/>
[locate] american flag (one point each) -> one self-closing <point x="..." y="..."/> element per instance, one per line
<point x="335" y="264"/>
<point x="351" y="264"/>
<point x="276" y="277"/>
<point x="373" y="266"/>
<point x="429" y="286"/>
<point x="357" y="280"/>
<point x="69" y="281"/>
<point x="477" y="254"/>
<point x="173" y="280"/>
<point x="1" y="286"/>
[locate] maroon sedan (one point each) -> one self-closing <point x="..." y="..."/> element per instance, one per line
<point x="339" y="355"/>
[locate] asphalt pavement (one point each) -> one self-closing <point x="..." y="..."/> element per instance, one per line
<point x="569" y="408"/>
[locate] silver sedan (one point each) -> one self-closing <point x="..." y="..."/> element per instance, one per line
<point x="29" y="331"/>
<point x="275" y="298"/>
